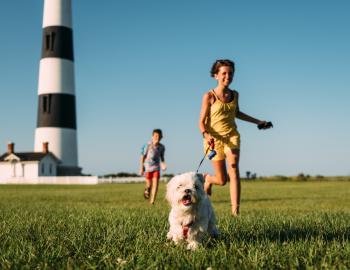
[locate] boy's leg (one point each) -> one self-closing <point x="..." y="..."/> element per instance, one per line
<point x="154" y="189"/>
<point x="235" y="181"/>
<point x="148" y="186"/>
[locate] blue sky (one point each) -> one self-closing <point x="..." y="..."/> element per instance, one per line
<point x="145" y="64"/>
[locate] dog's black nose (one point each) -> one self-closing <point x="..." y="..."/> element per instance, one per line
<point x="188" y="191"/>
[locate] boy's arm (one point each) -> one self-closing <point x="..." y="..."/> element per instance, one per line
<point x="142" y="167"/>
<point x="142" y="159"/>
<point x="162" y="159"/>
<point x="163" y="166"/>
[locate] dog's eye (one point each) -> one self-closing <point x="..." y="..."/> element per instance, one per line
<point x="196" y="186"/>
<point x="179" y="186"/>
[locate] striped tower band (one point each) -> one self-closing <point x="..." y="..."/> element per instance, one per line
<point x="56" y="122"/>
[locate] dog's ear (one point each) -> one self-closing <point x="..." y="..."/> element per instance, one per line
<point x="169" y="190"/>
<point x="200" y="177"/>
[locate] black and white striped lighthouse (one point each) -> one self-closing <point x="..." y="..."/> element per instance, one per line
<point x="56" y="122"/>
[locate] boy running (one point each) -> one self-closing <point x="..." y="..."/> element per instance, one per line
<point x="152" y="161"/>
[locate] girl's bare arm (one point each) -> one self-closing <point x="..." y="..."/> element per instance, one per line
<point x="245" y="117"/>
<point x="206" y="102"/>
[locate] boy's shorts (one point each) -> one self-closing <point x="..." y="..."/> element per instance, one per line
<point x="224" y="145"/>
<point x="152" y="175"/>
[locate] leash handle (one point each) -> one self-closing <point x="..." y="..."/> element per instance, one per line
<point x="200" y="163"/>
<point x="211" y="154"/>
<point x="212" y="144"/>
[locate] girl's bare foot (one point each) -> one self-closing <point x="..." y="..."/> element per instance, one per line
<point x="235" y="211"/>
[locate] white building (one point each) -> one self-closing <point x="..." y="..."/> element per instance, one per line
<point x="27" y="165"/>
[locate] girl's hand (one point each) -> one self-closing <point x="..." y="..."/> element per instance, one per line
<point x="142" y="171"/>
<point x="208" y="137"/>
<point x="264" y="125"/>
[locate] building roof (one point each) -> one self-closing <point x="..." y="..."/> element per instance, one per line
<point x="28" y="156"/>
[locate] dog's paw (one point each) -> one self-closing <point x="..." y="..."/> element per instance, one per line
<point x="193" y="245"/>
<point x="169" y="236"/>
<point x="177" y="240"/>
<point x="174" y="238"/>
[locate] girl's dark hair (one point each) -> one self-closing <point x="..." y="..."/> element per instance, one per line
<point x="159" y="131"/>
<point x="220" y="63"/>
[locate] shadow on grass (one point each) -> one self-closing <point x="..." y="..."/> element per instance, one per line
<point x="221" y="201"/>
<point x="282" y="236"/>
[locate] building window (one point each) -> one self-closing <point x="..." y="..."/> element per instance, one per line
<point x="42" y="168"/>
<point x="50" y="169"/>
<point x="50" y="41"/>
<point x="22" y="169"/>
<point x="13" y="163"/>
<point x="46" y="100"/>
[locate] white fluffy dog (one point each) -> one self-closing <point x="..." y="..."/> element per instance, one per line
<point x="192" y="215"/>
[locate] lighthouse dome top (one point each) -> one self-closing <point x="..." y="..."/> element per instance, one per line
<point x="57" y="12"/>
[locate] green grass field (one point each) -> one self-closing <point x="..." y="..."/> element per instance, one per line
<point x="283" y="225"/>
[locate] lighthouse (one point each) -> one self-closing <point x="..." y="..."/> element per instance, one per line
<point x="56" y="121"/>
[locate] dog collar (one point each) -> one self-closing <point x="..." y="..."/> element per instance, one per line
<point x="185" y="229"/>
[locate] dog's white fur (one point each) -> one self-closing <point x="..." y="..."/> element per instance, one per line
<point x="190" y="210"/>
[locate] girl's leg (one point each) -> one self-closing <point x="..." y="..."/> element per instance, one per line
<point x="155" y="183"/>
<point x="235" y="181"/>
<point x="220" y="177"/>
